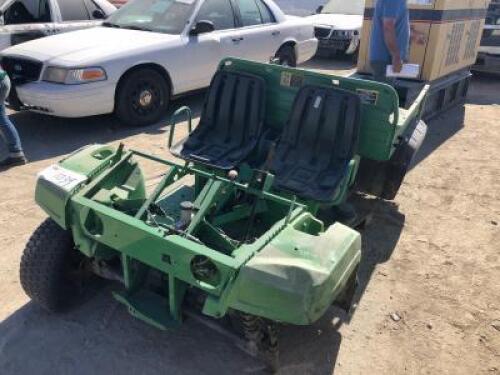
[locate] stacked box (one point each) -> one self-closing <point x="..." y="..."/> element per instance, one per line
<point x="449" y="33"/>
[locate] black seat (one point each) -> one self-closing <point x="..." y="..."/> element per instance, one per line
<point x="319" y="140"/>
<point x="230" y="124"/>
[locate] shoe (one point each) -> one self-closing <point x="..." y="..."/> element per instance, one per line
<point x="12" y="161"/>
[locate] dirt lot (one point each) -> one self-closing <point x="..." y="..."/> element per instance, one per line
<point x="432" y="259"/>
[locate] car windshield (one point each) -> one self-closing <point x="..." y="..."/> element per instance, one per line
<point x="353" y="7"/>
<point x="164" y="16"/>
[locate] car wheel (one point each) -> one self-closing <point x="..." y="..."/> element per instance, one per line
<point x="286" y="56"/>
<point x="142" y="97"/>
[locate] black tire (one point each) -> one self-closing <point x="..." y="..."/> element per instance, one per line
<point x="46" y="266"/>
<point x="346" y="299"/>
<point x="402" y="160"/>
<point x="286" y="56"/>
<point x="384" y="179"/>
<point x="261" y="336"/>
<point x="142" y="97"/>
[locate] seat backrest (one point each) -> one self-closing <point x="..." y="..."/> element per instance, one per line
<point x="379" y="102"/>
<point x="231" y="122"/>
<point x="318" y="142"/>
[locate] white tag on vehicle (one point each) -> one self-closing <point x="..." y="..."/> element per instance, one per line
<point x="62" y="177"/>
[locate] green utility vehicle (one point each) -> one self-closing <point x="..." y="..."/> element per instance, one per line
<point x="248" y="226"/>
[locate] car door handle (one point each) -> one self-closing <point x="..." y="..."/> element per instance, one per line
<point x="237" y="40"/>
<point x="276" y="33"/>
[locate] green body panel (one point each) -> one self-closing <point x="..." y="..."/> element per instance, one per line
<point x="151" y="246"/>
<point x="53" y="201"/>
<point x="297" y="276"/>
<point x="100" y="227"/>
<point x="245" y="245"/>
<point x="88" y="161"/>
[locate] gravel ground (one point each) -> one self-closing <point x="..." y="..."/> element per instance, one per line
<point x="429" y="301"/>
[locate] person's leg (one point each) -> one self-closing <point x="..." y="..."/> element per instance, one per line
<point x="379" y="69"/>
<point x="8" y="130"/>
<point x="10" y="134"/>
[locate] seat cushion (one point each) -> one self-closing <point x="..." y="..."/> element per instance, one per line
<point x="318" y="142"/>
<point x="231" y="122"/>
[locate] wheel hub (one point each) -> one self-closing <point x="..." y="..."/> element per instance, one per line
<point x="145" y="98"/>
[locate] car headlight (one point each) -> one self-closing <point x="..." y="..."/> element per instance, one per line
<point x="73" y="76"/>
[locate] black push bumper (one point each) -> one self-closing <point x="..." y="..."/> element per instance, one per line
<point x="334" y="44"/>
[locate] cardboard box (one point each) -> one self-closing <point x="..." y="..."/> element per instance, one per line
<point x="449" y="32"/>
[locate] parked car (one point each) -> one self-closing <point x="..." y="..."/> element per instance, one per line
<point x="301" y="8"/>
<point x="24" y="20"/>
<point x="488" y="59"/>
<point x="149" y="51"/>
<point x="493" y="16"/>
<point x="338" y="26"/>
<point x="118" y="3"/>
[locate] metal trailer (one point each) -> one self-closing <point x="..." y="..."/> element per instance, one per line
<point x="448" y="34"/>
<point x="451" y="90"/>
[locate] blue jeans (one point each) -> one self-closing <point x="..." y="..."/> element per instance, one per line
<point x="7" y="128"/>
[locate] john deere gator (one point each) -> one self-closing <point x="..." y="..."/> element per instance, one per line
<point x="246" y="225"/>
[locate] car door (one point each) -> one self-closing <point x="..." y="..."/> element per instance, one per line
<point x="260" y="33"/>
<point x="205" y="51"/>
<point x="76" y="15"/>
<point x="25" y="20"/>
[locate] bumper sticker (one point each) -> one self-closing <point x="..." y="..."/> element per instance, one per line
<point x="61" y="177"/>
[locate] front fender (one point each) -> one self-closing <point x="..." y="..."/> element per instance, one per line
<point x="306" y="49"/>
<point x="298" y="276"/>
<point x="82" y="165"/>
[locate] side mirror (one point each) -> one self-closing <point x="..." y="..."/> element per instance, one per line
<point x="202" y="27"/>
<point x="98" y="14"/>
<point x="319" y="9"/>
